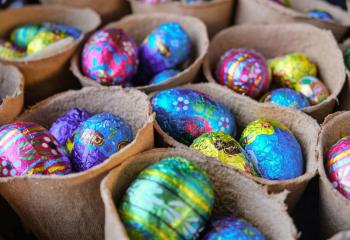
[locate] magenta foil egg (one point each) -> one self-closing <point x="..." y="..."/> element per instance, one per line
<point x="110" y="57"/>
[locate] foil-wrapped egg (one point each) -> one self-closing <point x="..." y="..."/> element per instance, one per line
<point x="154" y="1"/>
<point x="98" y="138"/>
<point x="27" y="148"/>
<point x="337" y="166"/>
<point x="274" y="150"/>
<point x="225" y="148"/>
<point x="163" y="76"/>
<point x="245" y="71"/>
<point x="23" y="35"/>
<point x="285" y="3"/>
<point x="110" y="57"/>
<point x="287" y="70"/>
<point x="286" y="97"/>
<point x="42" y="40"/>
<point x="313" y="89"/>
<point x="194" y="1"/>
<point x="173" y="196"/>
<point x="347" y="57"/>
<point x="320" y="14"/>
<point x="165" y="47"/>
<point x="9" y="51"/>
<point x="229" y="228"/>
<point x="185" y="114"/>
<point x="61" y="29"/>
<point x="64" y="126"/>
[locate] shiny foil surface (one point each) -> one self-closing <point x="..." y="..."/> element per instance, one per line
<point x="9" y="51"/>
<point x="163" y="76"/>
<point x="285" y="3"/>
<point x="231" y="228"/>
<point x="286" y="97"/>
<point x="245" y="71"/>
<point x="273" y="149"/>
<point x="110" y="57"/>
<point x="64" y="126"/>
<point x="337" y="166"/>
<point x="171" y="199"/>
<point x="226" y="149"/>
<point x="61" y="29"/>
<point x="312" y="88"/>
<point x="185" y="114"/>
<point x="347" y="57"/>
<point x="320" y="15"/>
<point x="23" y="35"/>
<point x="42" y="40"/>
<point x="27" y="148"/>
<point x="98" y="138"/>
<point x="287" y="70"/>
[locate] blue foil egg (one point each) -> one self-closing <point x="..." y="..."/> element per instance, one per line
<point x="163" y="76"/>
<point x="185" y="114"/>
<point x="23" y="35"/>
<point x="286" y="97"/>
<point x="229" y="228"/>
<point x="98" y="138"/>
<point x="273" y="149"/>
<point x="165" y="47"/>
<point x="320" y="14"/>
<point x="61" y="28"/>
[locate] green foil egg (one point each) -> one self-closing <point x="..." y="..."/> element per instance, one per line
<point x="347" y="57"/>
<point x="171" y="199"/>
<point x="9" y="51"/>
<point x="22" y="36"/>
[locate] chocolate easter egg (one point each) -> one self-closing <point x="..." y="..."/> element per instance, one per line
<point x="347" y="57"/>
<point x="225" y="148"/>
<point x="274" y="150"/>
<point x="194" y="1"/>
<point x="312" y="88"/>
<point x="27" y="148"/>
<point x="165" y="47"/>
<point x="110" y="57"/>
<point x="9" y="51"/>
<point x="64" y="126"/>
<point x="23" y="35"/>
<point x="285" y="3"/>
<point x="320" y="14"/>
<point x="98" y="138"/>
<point x="163" y="76"/>
<point x="337" y="166"/>
<point x="185" y="114"/>
<point x="42" y="40"/>
<point x="171" y="199"/>
<point x="287" y="70"/>
<point x="229" y="228"/>
<point x="61" y="29"/>
<point x="245" y="71"/>
<point x="286" y="97"/>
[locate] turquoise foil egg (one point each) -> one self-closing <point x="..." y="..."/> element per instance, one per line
<point x="286" y="97"/>
<point x="186" y="114"/>
<point x="273" y="149"/>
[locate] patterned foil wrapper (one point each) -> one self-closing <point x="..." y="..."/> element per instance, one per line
<point x="347" y="57"/>
<point x="171" y="199"/>
<point x="194" y="1"/>
<point x="23" y="35"/>
<point x="313" y="89"/>
<point x="274" y="150"/>
<point x="165" y="47"/>
<point x="285" y="3"/>
<point x="245" y="71"/>
<point x="110" y="57"/>
<point x="287" y="98"/>
<point x="155" y="1"/>
<point x="229" y="228"/>
<point x="226" y="149"/>
<point x="163" y="76"/>
<point x="287" y="70"/>
<point x="64" y="126"/>
<point x="337" y="166"/>
<point x="320" y="15"/>
<point x="98" y="138"/>
<point x="185" y="114"/>
<point x="61" y="29"/>
<point x="42" y="40"/>
<point x="9" y="51"/>
<point x="28" y="149"/>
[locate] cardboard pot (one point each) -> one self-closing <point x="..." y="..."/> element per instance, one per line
<point x="270" y="12"/>
<point x="334" y="207"/>
<point x="11" y="92"/>
<point x="136" y="27"/>
<point x="279" y="39"/>
<point x="341" y="236"/>
<point x="70" y="206"/>
<point x="234" y="194"/>
<point x="216" y="14"/>
<point x="304" y="128"/>
<point x="48" y="75"/>
<point x="344" y="100"/>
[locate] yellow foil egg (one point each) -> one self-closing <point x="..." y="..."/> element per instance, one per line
<point x="313" y="89"/>
<point x="42" y="40"/>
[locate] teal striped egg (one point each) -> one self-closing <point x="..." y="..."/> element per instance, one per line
<point x="21" y="36"/>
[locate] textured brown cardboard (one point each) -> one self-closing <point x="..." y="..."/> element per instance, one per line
<point x="304" y="128"/>
<point x="234" y="193"/>
<point x="279" y="39"/>
<point x="70" y="207"/>
<point x="47" y="76"/>
<point x="341" y="236"/>
<point x="136" y="27"/>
